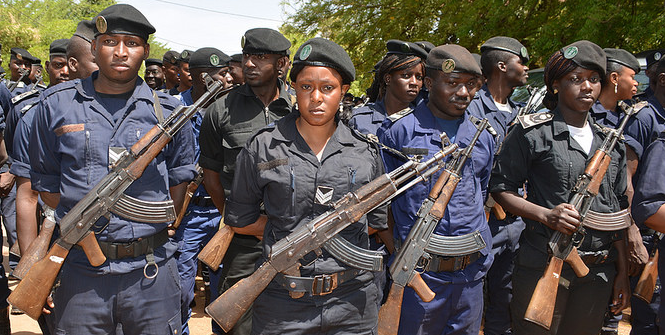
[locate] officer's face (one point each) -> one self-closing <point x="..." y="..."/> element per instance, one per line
<point x="119" y="56"/>
<point x="171" y="73"/>
<point x="154" y="76"/>
<point x="261" y="69"/>
<point x="451" y="93"/>
<point x="404" y="85"/>
<point x="578" y="89"/>
<point x="57" y="70"/>
<point x="235" y="69"/>
<point x="223" y="75"/>
<point x="516" y="72"/>
<point x="626" y="85"/>
<point x="185" y="76"/>
<point x="319" y="91"/>
<point x="16" y="65"/>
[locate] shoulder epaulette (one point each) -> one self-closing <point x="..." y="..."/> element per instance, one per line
<point x="24" y="95"/>
<point x="396" y="116"/>
<point x="27" y="107"/>
<point x="530" y="120"/>
<point x="476" y="121"/>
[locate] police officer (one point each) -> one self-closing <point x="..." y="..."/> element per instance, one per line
<point x="228" y="124"/>
<point x="452" y="77"/>
<point x="235" y="69"/>
<point x="202" y="217"/>
<point x="549" y="151"/>
<point x="153" y="75"/>
<point x="56" y="66"/>
<point x="309" y="152"/>
<point x="397" y="82"/>
<point x="80" y="62"/>
<point x="503" y="62"/>
<point x="652" y="59"/>
<point x="184" y="77"/>
<point x="170" y="69"/>
<point x="36" y="74"/>
<point x="78" y="128"/>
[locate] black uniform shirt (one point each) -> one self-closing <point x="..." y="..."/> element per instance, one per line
<point x="548" y="158"/>
<point x="282" y="172"/>
<point x="230" y="122"/>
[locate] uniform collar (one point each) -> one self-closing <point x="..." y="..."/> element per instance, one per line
<point x="600" y="113"/>
<point x="379" y="111"/>
<point x="560" y="127"/>
<point x="244" y="89"/>
<point x="86" y="88"/>
<point x="427" y="124"/>
<point x="288" y="132"/>
<point x="657" y="106"/>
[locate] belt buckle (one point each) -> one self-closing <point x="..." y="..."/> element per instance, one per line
<point x="324" y="284"/>
<point x="125" y="250"/>
<point x="461" y="262"/>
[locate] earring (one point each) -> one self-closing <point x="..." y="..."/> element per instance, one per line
<point x="556" y="91"/>
<point x="341" y="107"/>
<point x="616" y="88"/>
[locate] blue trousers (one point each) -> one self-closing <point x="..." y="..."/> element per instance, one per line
<point x="197" y="228"/>
<point x="8" y="208"/>
<point x="456" y="309"/>
<point x="505" y="245"/>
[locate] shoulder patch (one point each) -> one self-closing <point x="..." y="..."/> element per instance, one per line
<point x="24" y="95"/>
<point x="530" y="120"/>
<point x="404" y="112"/>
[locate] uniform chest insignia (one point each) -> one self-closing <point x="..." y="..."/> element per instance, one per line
<point x="530" y="120"/>
<point x="24" y="95"/>
<point x="404" y="112"/>
<point x="323" y="195"/>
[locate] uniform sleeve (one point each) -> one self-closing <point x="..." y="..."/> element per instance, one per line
<point x="637" y="135"/>
<point x="20" y="154"/>
<point x="180" y="158"/>
<point x="650" y="192"/>
<point x="44" y="155"/>
<point x="511" y="163"/>
<point x="210" y="139"/>
<point x="378" y="218"/>
<point x="621" y="181"/>
<point x="244" y="204"/>
<point x="390" y="161"/>
<point x="487" y="147"/>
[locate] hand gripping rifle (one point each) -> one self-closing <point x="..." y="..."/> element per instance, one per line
<point x="285" y="254"/>
<point x="647" y="282"/>
<point x="413" y="257"/>
<point x="107" y="196"/>
<point x="564" y="247"/>
<point x="189" y="194"/>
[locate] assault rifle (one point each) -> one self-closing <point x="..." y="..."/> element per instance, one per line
<point x="414" y="255"/>
<point x="107" y="196"/>
<point x="285" y="254"/>
<point x="647" y="282"/>
<point x="535" y="99"/>
<point x="24" y="73"/>
<point x="564" y="247"/>
<point x="189" y="194"/>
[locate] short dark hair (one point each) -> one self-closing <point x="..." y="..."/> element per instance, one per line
<point x="491" y="57"/>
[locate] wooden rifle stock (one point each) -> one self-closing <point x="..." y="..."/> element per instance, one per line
<point x="213" y="253"/>
<point x="36" y="250"/>
<point x="541" y="307"/>
<point x="31" y="292"/>
<point x="498" y="211"/>
<point x="390" y="312"/>
<point x="240" y="296"/>
<point x="647" y="281"/>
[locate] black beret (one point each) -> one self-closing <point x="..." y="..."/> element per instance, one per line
<point x="405" y="48"/>
<point x="185" y="55"/>
<point x="622" y="57"/>
<point x="477" y="58"/>
<point x="153" y="61"/>
<point x="20" y="54"/>
<point x="236" y="58"/>
<point x="587" y="55"/>
<point x="322" y="52"/>
<point x="34" y="60"/>
<point x="85" y="30"/>
<point x="654" y="56"/>
<point x="427" y="46"/>
<point x="123" y="19"/>
<point x="452" y="58"/>
<point x="171" y="57"/>
<point x="264" y="41"/>
<point x="208" y="57"/>
<point x="508" y="44"/>
<point x="58" y="47"/>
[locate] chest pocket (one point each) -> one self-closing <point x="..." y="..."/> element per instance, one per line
<point x="76" y="139"/>
<point x="232" y="142"/>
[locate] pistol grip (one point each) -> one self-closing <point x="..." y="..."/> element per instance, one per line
<point x="498" y="211"/>
<point x="576" y="263"/>
<point x="418" y="284"/>
<point x="91" y="248"/>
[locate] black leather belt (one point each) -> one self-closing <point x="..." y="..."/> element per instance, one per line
<point x="317" y="285"/>
<point x="594" y="257"/>
<point x="140" y="247"/>
<point x="451" y="264"/>
<point x="202" y="201"/>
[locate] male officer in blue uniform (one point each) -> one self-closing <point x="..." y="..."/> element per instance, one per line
<point x="228" y="124"/>
<point x="153" y="75"/>
<point x="201" y="220"/>
<point x="80" y="62"/>
<point x="171" y="70"/>
<point x="18" y="61"/>
<point x="452" y="78"/>
<point x="78" y="130"/>
<point x="503" y="62"/>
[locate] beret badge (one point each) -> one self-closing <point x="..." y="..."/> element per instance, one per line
<point x="305" y="52"/>
<point x="214" y="60"/>
<point x="657" y="56"/>
<point x="570" y="52"/>
<point x="101" y="24"/>
<point x="448" y="65"/>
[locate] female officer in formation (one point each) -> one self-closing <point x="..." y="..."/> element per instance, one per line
<point x="550" y="150"/>
<point x="619" y="84"/>
<point x="397" y="83"/>
<point x="297" y="168"/>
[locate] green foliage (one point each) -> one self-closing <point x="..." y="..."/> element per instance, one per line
<point x="363" y="26"/>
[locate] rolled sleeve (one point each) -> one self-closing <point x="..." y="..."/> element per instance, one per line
<point x="244" y="205"/>
<point x="210" y="139"/>
<point x="511" y="163"/>
<point x="43" y="152"/>
<point x="650" y="192"/>
<point x="637" y="135"/>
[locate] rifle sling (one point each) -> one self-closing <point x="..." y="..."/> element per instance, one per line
<point x="140" y="247"/>
<point x="317" y="285"/>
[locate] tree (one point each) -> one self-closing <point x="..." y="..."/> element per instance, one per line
<point x="362" y="26"/>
